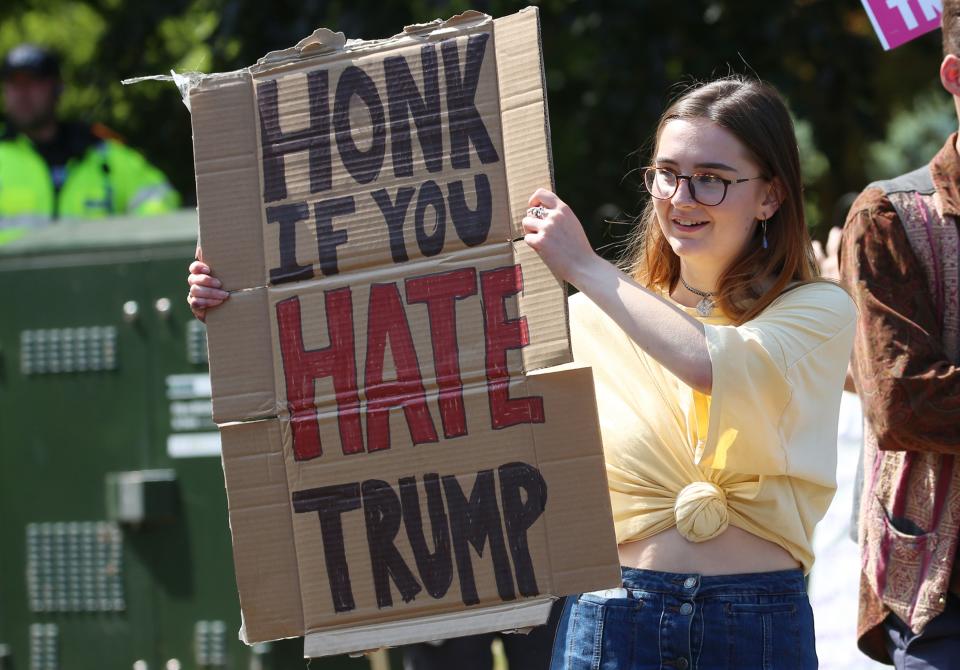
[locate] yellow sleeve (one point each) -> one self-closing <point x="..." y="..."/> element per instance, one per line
<point x="776" y="390"/>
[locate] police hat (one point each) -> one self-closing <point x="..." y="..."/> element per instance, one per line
<point x="30" y="58"/>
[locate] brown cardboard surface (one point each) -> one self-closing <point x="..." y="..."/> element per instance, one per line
<point x="263" y="549"/>
<point x="228" y="178"/>
<point x="524" y="108"/>
<point x="577" y="531"/>
<point x="543" y="303"/>
<point x="407" y="449"/>
<point x="241" y="366"/>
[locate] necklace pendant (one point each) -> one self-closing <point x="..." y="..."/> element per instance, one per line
<point x="705" y="306"/>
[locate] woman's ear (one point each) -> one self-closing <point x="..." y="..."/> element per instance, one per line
<point x="772" y="199"/>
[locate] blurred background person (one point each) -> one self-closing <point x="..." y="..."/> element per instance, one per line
<point x="52" y="169"/>
<point x="899" y="257"/>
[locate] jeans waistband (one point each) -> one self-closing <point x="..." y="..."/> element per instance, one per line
<point x="753" y="583"/>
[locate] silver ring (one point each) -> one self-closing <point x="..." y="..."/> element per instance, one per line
<point x="537" y="212"/>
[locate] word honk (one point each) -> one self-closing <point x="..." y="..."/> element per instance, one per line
<point x="407" y="106"/>
<point x="465" y="125"/>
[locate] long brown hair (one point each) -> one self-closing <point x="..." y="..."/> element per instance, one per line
<point x="756" y="115"/>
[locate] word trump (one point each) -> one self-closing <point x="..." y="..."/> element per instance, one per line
<point x="455" y="520"/>
<point x="387" y="324"/>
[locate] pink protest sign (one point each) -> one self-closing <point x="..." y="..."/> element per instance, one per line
<point x="899" y="21"/>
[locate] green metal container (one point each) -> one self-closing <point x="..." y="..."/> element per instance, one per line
<point x="115" y="548"/>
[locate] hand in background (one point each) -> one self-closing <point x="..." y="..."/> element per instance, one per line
<point x="827" y="259"/>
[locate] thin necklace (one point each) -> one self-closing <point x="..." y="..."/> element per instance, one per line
<point x="705" y="306"/>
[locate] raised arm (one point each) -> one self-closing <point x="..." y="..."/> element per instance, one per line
<point x="665" y="332"/>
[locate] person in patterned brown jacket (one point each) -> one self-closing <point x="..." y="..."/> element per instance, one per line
<point x="899" y="259"/>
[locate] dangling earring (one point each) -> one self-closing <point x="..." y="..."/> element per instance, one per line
<point x="764" y="224"/>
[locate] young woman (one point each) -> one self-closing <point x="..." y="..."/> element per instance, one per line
<point x="718" y="362"/>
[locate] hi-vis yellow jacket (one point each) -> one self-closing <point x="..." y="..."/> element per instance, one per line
<point x="103" y="177"/>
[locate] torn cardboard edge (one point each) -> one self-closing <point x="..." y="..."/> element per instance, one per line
<point x="184" y="81"/>
<point x="512" y="617"/>
<point x="325" y="42"/>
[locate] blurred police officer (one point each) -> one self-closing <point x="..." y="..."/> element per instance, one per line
<point x="51" y="169"/>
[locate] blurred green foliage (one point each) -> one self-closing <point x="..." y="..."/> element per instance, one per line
<point x="814" y="165"/>
<point x="611" y="67"/>
<point x="914" y="134"/>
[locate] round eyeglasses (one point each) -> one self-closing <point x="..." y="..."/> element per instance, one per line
<point x="707" y="189"/>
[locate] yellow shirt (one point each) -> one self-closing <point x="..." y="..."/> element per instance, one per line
<point x="758" y="453"/>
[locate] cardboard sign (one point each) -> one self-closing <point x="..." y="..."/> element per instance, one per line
<point x="409" y="453"/>
<point x="899" y="21"/>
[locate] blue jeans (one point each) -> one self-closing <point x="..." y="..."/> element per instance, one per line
<point x="685" y="621"/>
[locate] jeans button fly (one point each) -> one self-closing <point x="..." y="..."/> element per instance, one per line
<point x="686" y="608"/>
<point x="689" y="582"/>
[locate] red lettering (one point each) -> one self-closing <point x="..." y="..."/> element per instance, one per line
<point x="440" y="292"/>
<point x="503" y="334"/>
<point x="387" y="320"/>
<point x="301" y="368"/>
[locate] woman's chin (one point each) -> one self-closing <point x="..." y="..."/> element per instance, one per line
<point x="686" y="247"/>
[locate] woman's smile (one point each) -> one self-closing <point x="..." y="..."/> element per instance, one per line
<point x="687" y="224"/>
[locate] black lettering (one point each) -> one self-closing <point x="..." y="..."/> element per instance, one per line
<point x="436" y="569"/>
<point x="329" y="239"/>
<point x="472" y="522"/>
<point x="518" y="516"/>
<point x="402" y="95"/>
<point x="288" y="216"/>
<point x="466" y="124"/>
<point x="381" y="511"/>
<point x="363" y="166"/>
<point x="473" y="225"/>
<point x="430" y="195"/>
<point x="330" y="502"/>
<point x="395" y="213"/>
<point x="315" y="139"/>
